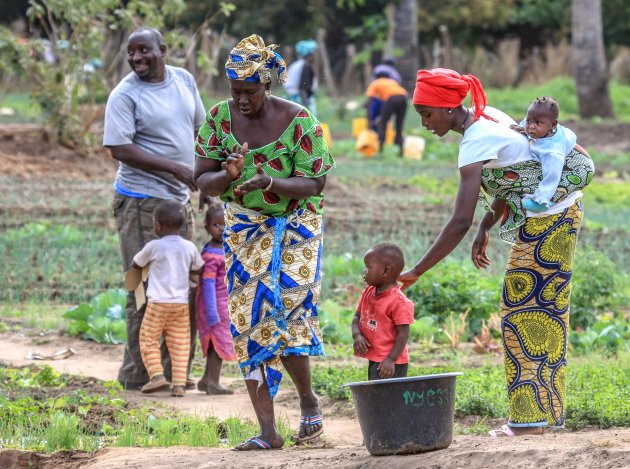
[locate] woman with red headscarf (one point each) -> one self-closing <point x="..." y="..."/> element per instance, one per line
<point x="537" y="284"/>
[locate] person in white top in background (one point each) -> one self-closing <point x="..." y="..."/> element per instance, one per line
<point x="301" y="78"/>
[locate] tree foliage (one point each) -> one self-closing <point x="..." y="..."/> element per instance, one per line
<point x="76" y="31"/>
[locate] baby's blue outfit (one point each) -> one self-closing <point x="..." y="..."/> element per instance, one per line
<point x="551" y="152"/>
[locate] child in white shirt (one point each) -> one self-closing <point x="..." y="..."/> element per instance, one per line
<point x="171" y="260"/>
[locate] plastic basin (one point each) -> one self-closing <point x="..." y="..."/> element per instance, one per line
<point x="406" y="415"/>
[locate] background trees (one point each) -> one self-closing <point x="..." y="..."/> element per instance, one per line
<point x="505" y="42"/>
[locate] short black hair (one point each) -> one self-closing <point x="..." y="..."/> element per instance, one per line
<point x="155" y="34"/>
<point x="170" y="213"/>
<point x="548" y="105"/>
<point x="382" y="75"/>
<point x="213" y="209"/>
<point x="390" y="254"/>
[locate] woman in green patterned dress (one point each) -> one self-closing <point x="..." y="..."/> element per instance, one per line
<point x="267" y="159"/>
<point x="537" y="285"/>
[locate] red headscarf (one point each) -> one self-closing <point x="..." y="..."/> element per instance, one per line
<point x="441" y="87"/>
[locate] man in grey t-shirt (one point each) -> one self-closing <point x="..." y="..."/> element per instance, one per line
<point x="151" y="121"/>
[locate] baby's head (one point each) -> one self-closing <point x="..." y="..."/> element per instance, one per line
<point x="383" y="264"/>
<point x="542" y="117"/>
<point x="168" y="217"/>
<point x="215" y="222"/>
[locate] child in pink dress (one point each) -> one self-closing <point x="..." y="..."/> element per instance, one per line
<point x="213" y="319"/>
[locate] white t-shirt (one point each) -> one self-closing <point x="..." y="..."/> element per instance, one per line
<point x="493" y="142"/>
<point x="170" y="260"/>
<point x="498" y="146"/>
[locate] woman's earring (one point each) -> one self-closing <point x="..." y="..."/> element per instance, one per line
<point x="450" y="111"/>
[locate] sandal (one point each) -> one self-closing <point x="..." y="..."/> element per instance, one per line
<point x="258" y="444"/>
<point x="307" y="422"/>
<point x="190" y="384"/>
<point x="506" y="431"/>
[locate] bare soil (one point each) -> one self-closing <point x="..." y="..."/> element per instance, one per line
<point x="340" y="447"/>
<point x="27" y="155"/>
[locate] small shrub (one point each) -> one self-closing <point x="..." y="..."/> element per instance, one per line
<point x="595" y="287"/>
<point x="453" y="287"/>
<point x="102" y="320"/>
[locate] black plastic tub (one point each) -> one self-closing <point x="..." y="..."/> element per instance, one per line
<point x="406" y="415"/>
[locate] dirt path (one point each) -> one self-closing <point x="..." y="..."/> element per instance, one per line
<point x="341" y="447"/>
<point x="596" y="449"/>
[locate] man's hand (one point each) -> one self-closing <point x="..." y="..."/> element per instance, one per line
<point x="360" y="344"/>
<point x="184" y="173"/>
<point x="386" y="368"/>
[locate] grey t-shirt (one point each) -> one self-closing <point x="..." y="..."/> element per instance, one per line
<point x="160" y="118"/>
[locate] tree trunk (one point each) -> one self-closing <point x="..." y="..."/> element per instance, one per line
<point x="406" y="38"/>
<point x="348" y="78"/>
<point x="591" y="75"/>
<point x="114" y="54"/>
<point x="447" y="46"/>
<point x="388" y="48"/>
<point x="328" y="79"/>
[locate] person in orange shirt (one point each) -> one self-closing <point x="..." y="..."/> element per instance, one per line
<point x="393" y="102"/>
<point x="380" y="328"/>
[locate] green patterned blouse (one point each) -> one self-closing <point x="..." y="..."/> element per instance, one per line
<point x="301" y="151"/>
<point x="514" y="182"/>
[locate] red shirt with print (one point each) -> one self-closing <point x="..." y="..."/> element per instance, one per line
<point x="379" y="314"/>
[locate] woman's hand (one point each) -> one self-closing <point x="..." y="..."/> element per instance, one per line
<point x="478" y="255"/>
<point x="233" y="164"/>
<point x="408" y="278"/>
<point x="260" y="181"/>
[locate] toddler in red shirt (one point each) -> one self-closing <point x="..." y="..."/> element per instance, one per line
<point x="380" y="328"/>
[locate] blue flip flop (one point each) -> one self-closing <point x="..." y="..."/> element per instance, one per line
<point x="259" y="442"/>
<point x="310" y="421"/>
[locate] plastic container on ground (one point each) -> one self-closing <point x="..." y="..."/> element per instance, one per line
<point x="360" y="124"/>
<point x="406" y="415"/>
<point x="413" y="147"/>
<point x="367" y="143"/>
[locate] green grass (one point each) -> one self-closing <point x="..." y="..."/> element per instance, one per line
<point x="598" y="388"/>
<point x="39" y="413"/>
<point x="19" y="108"/>
<point x="37" y="316"/>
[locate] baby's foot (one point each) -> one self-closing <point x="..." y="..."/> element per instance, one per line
<point x="533" y="206"/>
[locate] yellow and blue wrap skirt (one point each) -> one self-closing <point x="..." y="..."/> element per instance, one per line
<point x="273" y="273"/>
<point x="535" y="317"/>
